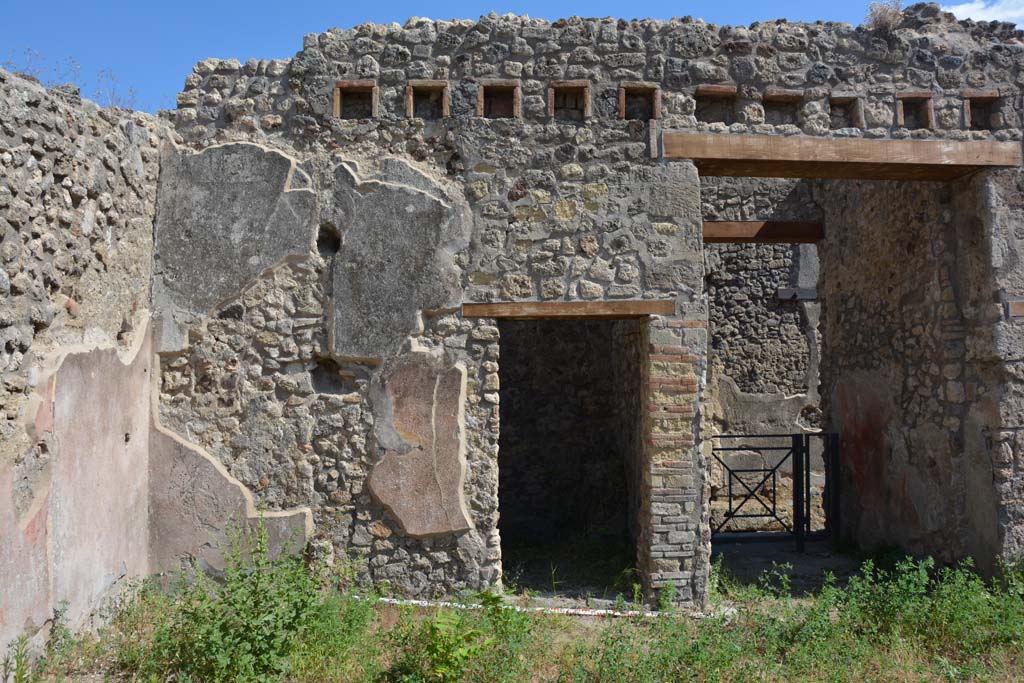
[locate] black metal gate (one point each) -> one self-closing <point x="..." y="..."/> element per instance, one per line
<point x="757" y="486"/>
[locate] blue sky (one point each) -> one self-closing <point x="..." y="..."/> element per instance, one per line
<point x="151" y="46"/>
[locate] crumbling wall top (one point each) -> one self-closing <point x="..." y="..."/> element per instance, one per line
<point x="929" y="76"/>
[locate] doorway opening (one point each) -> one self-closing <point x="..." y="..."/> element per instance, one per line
<point x="570" y="455"/>
<point x="763" y="368"/>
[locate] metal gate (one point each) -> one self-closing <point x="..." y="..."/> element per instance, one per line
<point x="757" y="486"/>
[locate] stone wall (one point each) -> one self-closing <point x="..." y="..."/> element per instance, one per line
<point x="910" y="378"/>
<point x="629" y="372"/>
<point x="762" y="306"/>
<point x="77" y="191"/>
<point x="991" y="207"/>
<point x="526" y="210"/>
<point x="77" y="196"/>
<point x="275" y="99"/>
<point x="85" y="505"/>
<point x="560" y="209"/>
<point x="759" y="339"/>
<point x="257" y="379"/>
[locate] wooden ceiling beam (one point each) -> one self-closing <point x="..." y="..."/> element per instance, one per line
<point x="801" y="156"/>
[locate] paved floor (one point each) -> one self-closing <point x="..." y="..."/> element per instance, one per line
<point x="746" y="558"/>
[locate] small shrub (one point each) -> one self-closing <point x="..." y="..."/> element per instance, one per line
<point x="886" y="602"/>
<point x="438" y="650"/>
<point x="264" y="619"/>
<point x="334" y="639"/>
<point x="667" y="598"/>
<point x="884" y="16"/>
<point x="513" y="643"/>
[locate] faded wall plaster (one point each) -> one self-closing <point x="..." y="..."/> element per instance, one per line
<point x="118" y="496"/>
<point x="422" y="434"/>
<point x="77" y="196"/>
<point x="82" y="527"/>
<point x="223" y="217"/>
<point x="398" y="244"/>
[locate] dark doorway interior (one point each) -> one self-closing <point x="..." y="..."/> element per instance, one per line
<point x="569" y="455"/>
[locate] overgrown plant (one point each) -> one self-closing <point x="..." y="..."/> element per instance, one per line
<point x="884" y="16"/>
<point x="437" y="650"/>
<point x="262" y="620"/>
<point x="904" y="620"/>
<point x="512" y="641"/>
<point x="108" y="91"/>
<point x="17" y="665"/>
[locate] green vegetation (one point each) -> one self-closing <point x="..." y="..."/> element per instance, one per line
<point x="273" y="620"/>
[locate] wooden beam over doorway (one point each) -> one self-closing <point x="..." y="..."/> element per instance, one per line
<point x="801" y="156"/>
<point x="533" y="310"/>
<point x="763" y="232"/>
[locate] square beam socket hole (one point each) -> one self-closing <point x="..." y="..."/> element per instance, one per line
<point x="639" y="101"/>
<point x="914" y="112"/>
<point x="782" y="106"/>
<point x="639" y="105"/>
<point x="355" y="100"/>
<point x="570" y="103"/>
<point x="846" y="112"/>
<point x="426" y="99"/>
<point x="982" y="113"/>
<point x="780" y="112"/>
<point x="499" y="101"/>
<point x="715" y="104"/>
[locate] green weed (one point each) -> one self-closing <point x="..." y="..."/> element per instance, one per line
<point x="16" y="665"/>
<point x="269" y="620"/>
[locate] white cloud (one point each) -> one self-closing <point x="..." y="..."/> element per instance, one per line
<point x="985" y="10"/>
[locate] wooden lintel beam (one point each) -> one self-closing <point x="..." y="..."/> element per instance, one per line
<point x="801" y="156"/>
<point x="531" y="310"/>
<point x="763" y="232"/>
<point x="715" y="91"/>
<point x="773" y="94"/>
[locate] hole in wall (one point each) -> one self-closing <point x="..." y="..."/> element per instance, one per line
<point x="428" y="103"/>
<point x="715" y="109"/>
<point x="499" y="101"/>
<point x="842" y="114"/>
<point x="810" y="417"/>
<point x="357" y="104"/>
<point x="232" y="311"/>
<point x="328" y="377"/>
<point x="570" y="104"/>
<point x="780" y="113"/>
<point x="639" y="105"/>
<point x="982" y="112"/>
<point x="328" y="241"/>
<point x="915" y="114"/>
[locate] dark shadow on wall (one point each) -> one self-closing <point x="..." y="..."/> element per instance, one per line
<point x="569" y="453"/>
